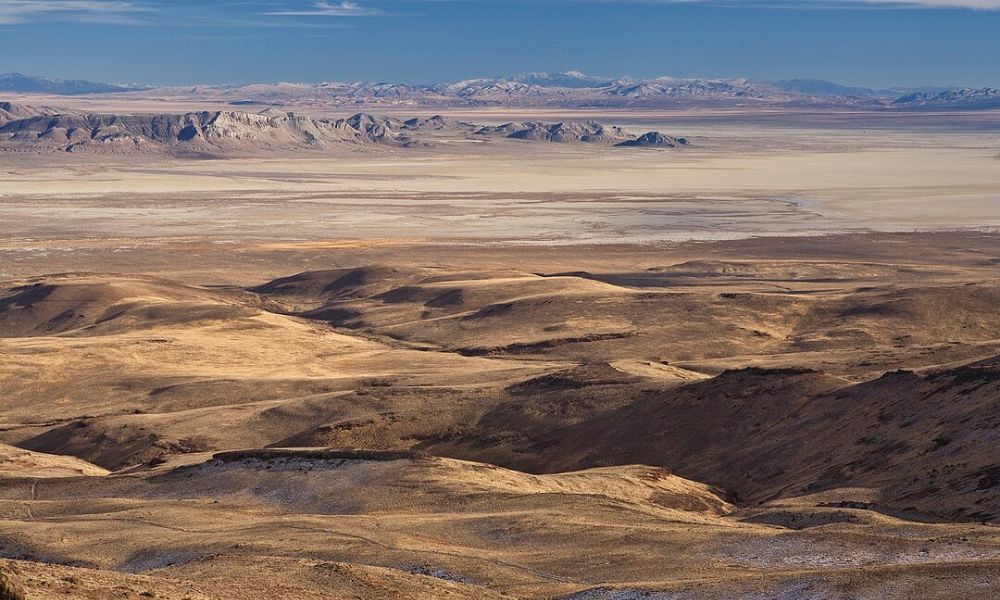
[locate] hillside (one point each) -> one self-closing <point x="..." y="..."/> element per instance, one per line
<point x="426" y="429"/>
<point x="392" y="525"/>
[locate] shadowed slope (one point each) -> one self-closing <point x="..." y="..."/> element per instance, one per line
<point x="919" y="442"/>
<point x="825" y="314"/>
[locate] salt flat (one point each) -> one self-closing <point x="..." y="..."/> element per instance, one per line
<point x="847" y="183"/>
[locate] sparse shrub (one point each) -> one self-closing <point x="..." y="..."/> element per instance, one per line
<point x="9" y="589"/>
<point x="941" y="441"/>
<point x="319" y="454"/>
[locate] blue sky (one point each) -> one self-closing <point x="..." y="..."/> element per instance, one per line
<point x="861" y="42"/>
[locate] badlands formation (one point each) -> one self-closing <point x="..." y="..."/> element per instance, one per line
<point x="258" y="355"/>
<point x="32" y="129"/>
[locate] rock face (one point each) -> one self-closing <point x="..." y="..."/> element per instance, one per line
<point x="217" y="131"/>
<point x="654" y="139"/>
<point x="10" y="111"/>
<point x="205" y="131"/>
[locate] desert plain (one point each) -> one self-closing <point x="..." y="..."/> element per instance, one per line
<point x="762" y="365"/>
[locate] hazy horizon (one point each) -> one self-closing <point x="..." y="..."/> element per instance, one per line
<point x="472" y="77"/>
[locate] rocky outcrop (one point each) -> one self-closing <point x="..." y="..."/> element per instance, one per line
<point x="654" y="139"/>
<point x="27" y="128"/>
<point x="215" y="131"/>
<point x="590" y="132"/>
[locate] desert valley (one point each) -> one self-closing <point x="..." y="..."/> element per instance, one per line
<point x="280" y="342"/>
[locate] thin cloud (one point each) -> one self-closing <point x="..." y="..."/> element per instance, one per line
<point x="827" y="4"/>
<point x="985" y="5"/>
<point x="975" y="4"/>
<point x="13" y="12"/>
<point x="327" y="9"/>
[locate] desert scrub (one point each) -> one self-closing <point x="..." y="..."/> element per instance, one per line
<point x="318" y="454"/>
<point x="9" y="590"/>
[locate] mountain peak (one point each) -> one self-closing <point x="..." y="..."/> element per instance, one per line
<point x="567" y="79"/>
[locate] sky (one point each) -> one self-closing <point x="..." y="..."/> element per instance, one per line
<point x="875" y="43"/>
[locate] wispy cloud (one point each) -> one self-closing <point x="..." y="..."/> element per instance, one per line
<point x="828" y="4"/>
<point x="132" y="12"/>
<point x="23" y="11"/>
<point x="976" y="4"/>
<point x="328" y="9"/>
<point x="993" y="5"/>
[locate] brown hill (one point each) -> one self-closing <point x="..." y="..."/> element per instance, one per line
<point x="316" y="287"/>
<point x="89" y="304"/>
<point x="803" y="475"/>
<point x="334" y="523"/>
<point x="20" y="463"/>
<point x="585" y="317"/>
<point x="122" y="370"/>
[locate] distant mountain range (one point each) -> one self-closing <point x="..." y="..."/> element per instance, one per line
<point x="23" y="84"/>
<point x="571" y="89"/>
<point x="819" y="87"/>
<point x="958" y="98"/>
